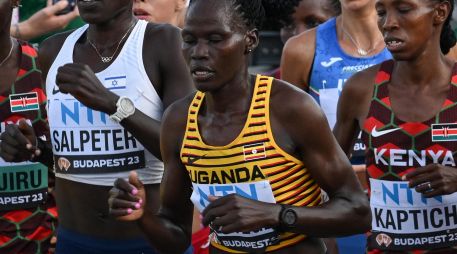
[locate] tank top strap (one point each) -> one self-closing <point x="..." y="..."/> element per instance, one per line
<point x="325" y="34"/>
<point x="192" y="117"/>
<point x="259" y="112"/>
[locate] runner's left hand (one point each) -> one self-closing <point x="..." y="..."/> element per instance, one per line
<point x="80" y="81"/>
<point x="442" y="179"/>
<point x="234" y="213"/>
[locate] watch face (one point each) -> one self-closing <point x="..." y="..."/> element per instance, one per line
<point x="127" y="105"/>
<point x="290" y="217"/>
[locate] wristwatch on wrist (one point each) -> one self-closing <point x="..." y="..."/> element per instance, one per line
<point x="125" y="108"/>
<point x="287" y="218"/>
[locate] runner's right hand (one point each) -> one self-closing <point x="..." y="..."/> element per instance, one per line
<point x="127" y="198"/>
<point x="18" y="142"/>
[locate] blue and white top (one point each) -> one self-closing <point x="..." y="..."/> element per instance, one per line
<point x="332" y="67"/>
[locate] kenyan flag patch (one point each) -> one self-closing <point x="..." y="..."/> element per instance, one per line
<point x="444" y="132"/>
<point x="24" y="102"/>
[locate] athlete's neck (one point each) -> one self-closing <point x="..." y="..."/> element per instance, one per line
<point x="423" y="71"/>
<point x="361" y="26"/>
<point x="110" y="32"/>
<point x="234" y="96"/>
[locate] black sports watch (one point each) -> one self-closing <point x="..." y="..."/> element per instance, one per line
<point x="287" y="218"/>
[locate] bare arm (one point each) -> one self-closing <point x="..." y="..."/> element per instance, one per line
<point x="297" y="59"/>
<point x="353" y="106"/>
<point x="170" y="229"/>
<point x="308" y="128"/>
<point x="175" y="83"/>
<point x="44" y="21"/>
<point x="299" y="125"/>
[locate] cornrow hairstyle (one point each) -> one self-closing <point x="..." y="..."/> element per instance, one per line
<point x="448" y="38"/>
<point x="263" y="14"/>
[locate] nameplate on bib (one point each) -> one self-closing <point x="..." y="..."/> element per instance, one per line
<point x="253" y="241"/>
<point x="22" y="185"/>
<point x="404" y="219"/>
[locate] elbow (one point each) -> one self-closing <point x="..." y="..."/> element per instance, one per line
<point x="362" y="214"/>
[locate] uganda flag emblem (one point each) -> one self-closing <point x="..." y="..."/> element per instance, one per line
<point x="444" y="132"/>
<point x="254" y="151"/>
<point x="24" y="102"/>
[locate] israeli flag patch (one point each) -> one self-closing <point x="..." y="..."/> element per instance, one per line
<point x="116" y="83"/>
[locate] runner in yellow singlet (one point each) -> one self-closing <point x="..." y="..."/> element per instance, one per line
<point x="251" y="152"/>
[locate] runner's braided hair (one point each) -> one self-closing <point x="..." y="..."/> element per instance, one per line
<point x="448" y="38"/>
<point x="264" y="14"/>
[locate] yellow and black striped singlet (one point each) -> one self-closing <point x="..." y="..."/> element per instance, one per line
<point x="252" y="157"/>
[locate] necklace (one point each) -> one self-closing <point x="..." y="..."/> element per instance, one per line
<point x="360" y="50"/>
<point x="107" y="59"/>
<point x="9" y="54"/>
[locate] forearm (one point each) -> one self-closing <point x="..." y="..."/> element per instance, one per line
<point x="339" y="217"/>
<point x="146" y="130"/>
<point x="166" y="236"/>
<point x="22" y="31"/>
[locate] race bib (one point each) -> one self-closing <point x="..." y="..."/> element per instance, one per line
<point x="22" y="185"/>
<point x="86" y="141"/>
<point x="403" y="219"/>
<point x="329" y="100"/>
<point x="253" y="241"/>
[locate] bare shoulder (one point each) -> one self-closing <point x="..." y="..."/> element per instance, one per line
<point x="176" y="114"/>
<point x="162" y="33"/>
<point x="289" y="102"/>
<point x="301" y="47"/>
<point x="49" y="49"/>
<point x="360" y="85"/>
<point x="297" y="59"/>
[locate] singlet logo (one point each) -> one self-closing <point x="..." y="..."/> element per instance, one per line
<point x="412" y="158"/>
<point x="116" y="83"/>
<point x="192" y="160"/>
<point x="375" y="133"/>
<point x="444" y="132"/>
<point x="234" y="175"/>
<point x="24" y="102"/>
<point x="332" y="61"/>
<point x="254" y="151"/>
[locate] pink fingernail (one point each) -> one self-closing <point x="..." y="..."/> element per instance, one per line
<point x="134" y="191"/>
<point x="129" y="211"/>
<point x="140" y="201"/>
<point x="137" y="205"/>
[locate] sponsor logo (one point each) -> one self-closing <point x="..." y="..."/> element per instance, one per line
<point x="191" y="160"/>
<point x="24" y="102"/>
<point x="63" y="164"/>
<point x="355" y="68"/>
<point x="383" y="239"/>
<point x="116" y="83"/>
<point x="254" y="151"/>
<point x="332" y="61"/>
<point x="375" y="133"/>
<point x="55" y="90"/>
<point x="444" y="132"/>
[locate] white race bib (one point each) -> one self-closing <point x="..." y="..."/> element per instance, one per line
<point x="404" y="219"/>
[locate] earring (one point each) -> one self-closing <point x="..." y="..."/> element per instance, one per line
<point x="249" y="50"/>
